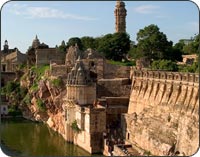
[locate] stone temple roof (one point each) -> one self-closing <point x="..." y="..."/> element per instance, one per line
<point x="78" y="74"/>
<point x="36" y="42"/>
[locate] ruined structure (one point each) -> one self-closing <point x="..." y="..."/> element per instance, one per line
<point x="190" y="59"/>
<point x="163" y="113"/>
<point x="92" y="113"/>
<point x="108" y="108"/>
<point x="120" y="17"/>
<point x="112" y="109"/>
<point x="11" y="58"/>
<point x="40" y="54"/>
<point x="80" y="97"/>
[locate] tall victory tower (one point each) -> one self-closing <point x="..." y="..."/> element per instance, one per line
<point x="120" y="17"/>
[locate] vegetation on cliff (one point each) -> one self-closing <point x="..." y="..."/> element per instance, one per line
<point x="41" y="105"/>
<point x="57" y="82"/>
<point x="75" y="127"/>
<point x="14" y="93"/>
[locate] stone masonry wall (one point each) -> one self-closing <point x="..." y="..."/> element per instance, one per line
<point x="113" y="87"/>
<point x="116" y="71"/>
<point x="59" y="70"/>
<point x="163" y="114"/>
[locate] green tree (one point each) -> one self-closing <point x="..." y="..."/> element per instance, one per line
<point x="174" y="54"/>
<point x="88" y="42"/>
<point x="152" y="43"/>
<point x="166" y="65"/>
<point x="179" y="45"/>
<point x="73" y="41"/>
<point x="62" y="47"/>
<point x="192" y="47"/>
<point x="115" y="46"/>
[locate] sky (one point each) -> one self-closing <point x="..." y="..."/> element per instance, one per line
<point x="55" y="21"/>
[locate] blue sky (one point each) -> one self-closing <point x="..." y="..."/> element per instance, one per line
<point x="57" y="21"/>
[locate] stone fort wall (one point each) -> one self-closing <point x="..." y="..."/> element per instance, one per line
<point x="163" y="113"/>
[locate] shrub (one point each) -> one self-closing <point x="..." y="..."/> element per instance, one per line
<point x="12" y="86"/>
<point x="34" y="87"/>
<point x="75" y="127"/>
<point x="41" y="106"/>
<point x="27" y="99"/>
<point x="167" y="65"/>
<point x="194" y="68"/>
<point x="56" y="82"/>
<point x="126" y="63"/>
<point x="39" y="71"/>
<point x="14" y="111"/>
<point x="23" y="92"/>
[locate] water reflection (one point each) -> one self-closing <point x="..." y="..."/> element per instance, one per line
<point x="25" y="138"/>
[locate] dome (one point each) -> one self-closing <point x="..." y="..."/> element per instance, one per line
<point x="35" y="42"/>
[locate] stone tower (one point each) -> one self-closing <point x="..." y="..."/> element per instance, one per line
<point x="80" y="87"/>
<point x="5" y="46"/>
<point x="120" y="17"/>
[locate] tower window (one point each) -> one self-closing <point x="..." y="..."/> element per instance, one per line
<point x="3" y="67"/>
<point x="128" y="136"/>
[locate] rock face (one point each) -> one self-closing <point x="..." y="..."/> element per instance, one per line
<point x="53" y="97"/>
<point x="163" y="114"/>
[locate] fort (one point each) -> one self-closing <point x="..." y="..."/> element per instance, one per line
<point x="105" y="108"/>
<point x="163" y="107"/>
<point x="140" y="110"/>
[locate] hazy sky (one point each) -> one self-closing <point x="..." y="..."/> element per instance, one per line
<point x="57" y="21"/>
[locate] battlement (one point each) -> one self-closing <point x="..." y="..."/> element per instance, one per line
<point x="161" y="101"/>
<point x="164" y="76"/>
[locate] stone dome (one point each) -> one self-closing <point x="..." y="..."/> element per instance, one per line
<point x="36" y="42"/>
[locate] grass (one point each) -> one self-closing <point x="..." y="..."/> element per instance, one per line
<point x="40" y="71"/>
<point x="127" y="63"/>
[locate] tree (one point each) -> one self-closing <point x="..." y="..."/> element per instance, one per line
<point x="62" y="47"/>
<point x="167" y="65"/>
<point x="73" y="41"/>
<point x="88" y="42"/>
<point x="115" y="46"/>
<point x="179" y="45"/>
<point x="192" y="48"/>
<point x="152" y="43"/>
<point x="174" y="54"/>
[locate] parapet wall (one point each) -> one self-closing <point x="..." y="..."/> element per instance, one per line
<point x="163" y="113"/>
<point x="165" y="76"/>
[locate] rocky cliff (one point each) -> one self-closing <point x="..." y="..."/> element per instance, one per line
<point x="163" y="114"/>
<point x="44" y="100"/>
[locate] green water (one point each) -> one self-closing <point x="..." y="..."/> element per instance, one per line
<point x="25" y="138"/>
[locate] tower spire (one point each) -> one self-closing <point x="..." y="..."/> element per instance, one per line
<point x="120" y="16"/>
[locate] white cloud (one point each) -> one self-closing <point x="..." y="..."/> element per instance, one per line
<point x="45" y="12"/>
<point x="146" y="9"/>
